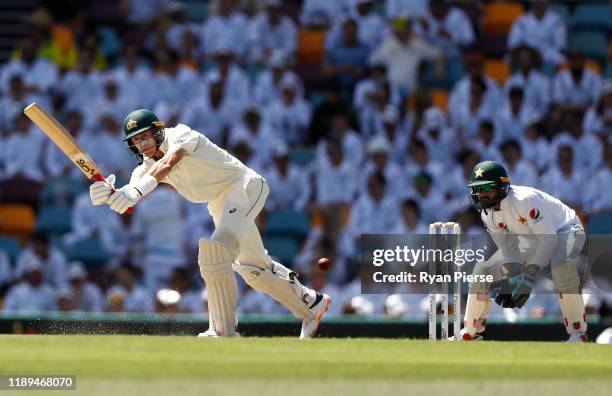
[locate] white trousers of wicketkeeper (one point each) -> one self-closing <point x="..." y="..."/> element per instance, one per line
<point x="236" y="245"/>
<point x="571" y="239"/>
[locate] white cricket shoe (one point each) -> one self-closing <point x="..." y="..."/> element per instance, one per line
<point x="465" y="336"/>
<point x="321" y="305"/>
<point x="209" y="333"/>
<point x="578" y="337"/>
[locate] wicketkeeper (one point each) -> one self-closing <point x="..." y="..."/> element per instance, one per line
<point x="204" y="173"/>
<point x="532" y="230"/>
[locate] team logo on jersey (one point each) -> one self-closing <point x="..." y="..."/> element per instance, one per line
<point x="534" y="214"/>
<point x="522" y="220"/>
<point x="131" y="124"/>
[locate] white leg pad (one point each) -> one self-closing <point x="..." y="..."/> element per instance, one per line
<point x="476" y="312"/>
<point x="281" y="284"/>
<point x="221" y="287"/>
<point x="572" y="308"/>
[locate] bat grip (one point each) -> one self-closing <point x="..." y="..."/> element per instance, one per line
<point x="99" y="177"/>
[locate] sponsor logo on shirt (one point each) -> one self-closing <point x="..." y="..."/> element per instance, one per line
<point x="535" y="215"/>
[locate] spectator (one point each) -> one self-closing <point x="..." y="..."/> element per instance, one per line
<point x="335" y="176"/>
<point x="271" y="31"/>
<point x="542" y="29"/>
<point x="598" y="119"/>
<point x="32" y="294"/>
<point x="15" y="100"/>
<point x="52" y="261"/>
<point x="39" y="75"/>
<point x="175" y="83"/>
<point x="403" y="51"/>
<point x="227" y="27"/>
<point x="133" y="79"/>
<point x="457" y="179"/>
<point x="258" y="134"/>
<point x="23" y="151"/>
<point x="320" y="123"/>
<point x="438" y="136"/>
<point x="467" y="116"/>
<point x="379" y="150"/>
<point x="289" y="116"/>
<point x="371" y="26"/>
<point x="321" y="14"/>
<point x="536" y="85"/>
<point x="346" y="58"/>
<point x="351" y="141"/>
<point x="6" y="272"/>
<point x="577" y="87"/>
<point x="127" y="295"/>
<point x="411" y="8"/>
<point x="515" y="115"/>
<point x="236" y="86"/>
<point x="375" y="211"/>
<point x="410" y="221"/>
<point x="180" y="27"/>
<point x="141" y="12"/>
<point x="82" y="85"/>
<point x="420" y="162"/>
<point x="600" y="199"/>
<point x="588" y="150"/>
<point x="430" y="201"/>
<point x="461" y="92"/>
<point x="366" y="90"/>
<point x="394" y="133"/>
<point x="447" y="27"/>
<point x="210" y="113"/>
<point x="521" y="172"/>
<point x="85" y="295"/>
<point x="289" y="184"/>
<point x="562" y="178"/>
<point x="267" y="83"/>
<point x="534" y="146"/>
<point x="55" y="161"/>
<point x="487" y="140"/>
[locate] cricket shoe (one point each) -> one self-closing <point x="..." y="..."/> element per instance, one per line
<point x="212" y="333"/>
<point x="578" y="337"/>
<point x="465" y="336"/>
<point x="318" y="309"/>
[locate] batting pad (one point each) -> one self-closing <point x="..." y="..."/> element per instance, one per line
<point x="572" y="308"/>
<point x="221" y="286"/>
<point x="281" y="284"/>
<point x="476" y="310"/>
<point x="565" y="275"/>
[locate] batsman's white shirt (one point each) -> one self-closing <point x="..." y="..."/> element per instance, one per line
<point x="528" y="212"/>
<point x="205" y="172"/>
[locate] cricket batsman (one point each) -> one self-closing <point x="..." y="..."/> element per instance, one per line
<point x="531" y="230"/>
<point x="204" y="173"/>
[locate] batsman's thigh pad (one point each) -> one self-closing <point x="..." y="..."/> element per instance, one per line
<point x="229" y="219"/>
<point x="279" y="283"/>
<point x="221" y="286"/>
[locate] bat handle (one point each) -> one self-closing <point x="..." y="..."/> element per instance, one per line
<point x="99" y="177"/>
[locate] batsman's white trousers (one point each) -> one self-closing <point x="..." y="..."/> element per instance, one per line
<point x="234" y="213"/>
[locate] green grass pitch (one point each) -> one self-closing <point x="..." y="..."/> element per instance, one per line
<point x="143" y="365"/>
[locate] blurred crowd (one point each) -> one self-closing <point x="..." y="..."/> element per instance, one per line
<point x="365" y="139"/>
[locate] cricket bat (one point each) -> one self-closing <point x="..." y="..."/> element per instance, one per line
<point x="64" y="141"/>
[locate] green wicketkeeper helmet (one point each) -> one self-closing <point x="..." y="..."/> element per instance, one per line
<point x="489" y="176"/>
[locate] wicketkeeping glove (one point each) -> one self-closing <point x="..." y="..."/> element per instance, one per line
<point x="514" y="288"/>
<point x="100" y="191"/>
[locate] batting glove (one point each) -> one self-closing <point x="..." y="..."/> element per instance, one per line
<point x="128" y="195"/>
<point x="100" y="191"/>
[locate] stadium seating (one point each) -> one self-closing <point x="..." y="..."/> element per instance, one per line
<point x="594" y="44"/>
<point x="54" y="219"/>
<point x="196" y="10"/>
<point x="600" y="224"/>
<point x="454" y="72"/>
<point x="563" y="11"/>
<point x="61" y="191"/>
<point x="592" y="16"/>
<point x="10" y="246"/>
<point x="89" y="251"/>
<point x="287" y="222"/>
<point x="17" y="220"/>
<point x="497" y="69"/>
<point x="285" y="249"/>
<point x="499" y="17"/>
<point x="311" y="45"/>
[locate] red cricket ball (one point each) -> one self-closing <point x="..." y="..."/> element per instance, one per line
<point x="323" y="264"/>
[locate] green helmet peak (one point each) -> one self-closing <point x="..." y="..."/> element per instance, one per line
<point x="139" y="121"/>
